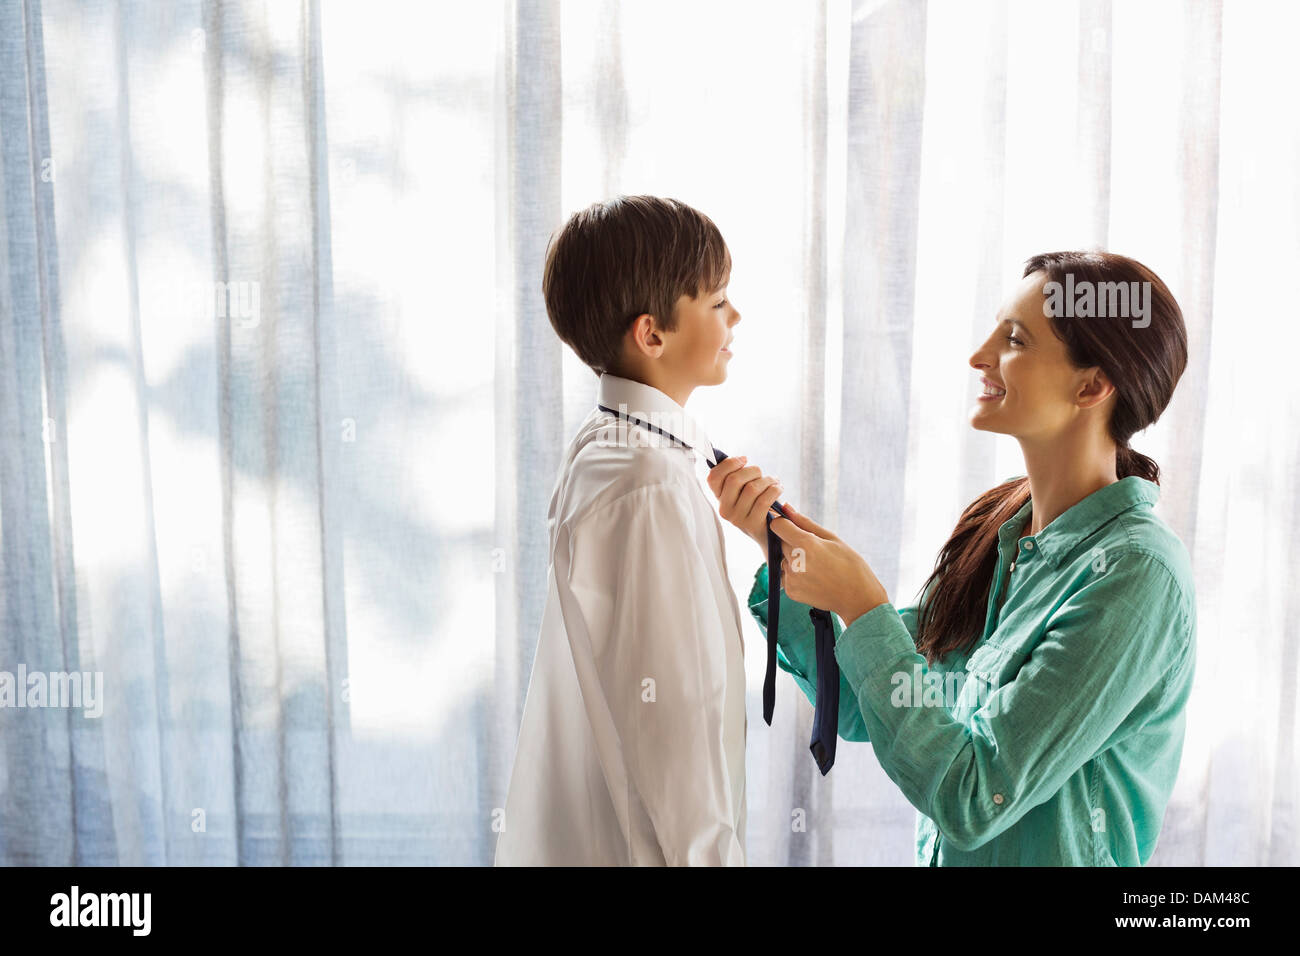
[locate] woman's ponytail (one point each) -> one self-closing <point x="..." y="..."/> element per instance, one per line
<point x="1129" y="462"/>
<point x="953" y="614"/>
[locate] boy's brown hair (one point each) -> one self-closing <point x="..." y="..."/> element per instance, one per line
<point x="615" y="260"/>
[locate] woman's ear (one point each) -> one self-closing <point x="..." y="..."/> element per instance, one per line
<point x="1094" y="389"/>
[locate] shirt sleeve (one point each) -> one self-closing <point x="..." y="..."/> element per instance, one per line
<point x="796" y="651"/>
<point x="1099" y="671"/>
<point x="643" y="611"/>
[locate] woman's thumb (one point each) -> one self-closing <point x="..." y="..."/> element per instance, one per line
<point x="807" y="524"/>
<point x="800" y="521"/>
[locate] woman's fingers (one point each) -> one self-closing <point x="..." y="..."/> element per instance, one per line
<point x="791" y="533"/>
<point x="807" y="524"/>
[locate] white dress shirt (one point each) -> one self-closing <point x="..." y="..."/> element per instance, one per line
<point x="632" y="745"/>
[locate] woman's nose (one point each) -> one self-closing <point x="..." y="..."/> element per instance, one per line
<point x="981" y="358"/>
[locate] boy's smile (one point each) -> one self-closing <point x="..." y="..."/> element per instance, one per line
<point x="698" y="352"/>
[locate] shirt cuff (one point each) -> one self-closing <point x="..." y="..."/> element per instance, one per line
<point x="875" y="641"/>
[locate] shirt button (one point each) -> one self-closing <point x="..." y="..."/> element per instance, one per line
<point x="1029" y="546"/>
<point x="997" y="798"/>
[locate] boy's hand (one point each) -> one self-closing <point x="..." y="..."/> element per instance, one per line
<point x="744" y="496"/>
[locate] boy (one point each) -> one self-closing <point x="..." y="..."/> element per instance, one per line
<point x="632" y="745"/>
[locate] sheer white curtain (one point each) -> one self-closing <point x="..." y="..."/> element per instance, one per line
<point x="282" y="410"/>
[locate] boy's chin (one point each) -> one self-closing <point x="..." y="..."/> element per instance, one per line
<point x="712" y="376"/>
<point x="715" y="376"/>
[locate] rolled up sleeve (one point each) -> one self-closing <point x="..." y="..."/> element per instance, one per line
<point x="796" y="652"/>
<point x="1101" y="665"/>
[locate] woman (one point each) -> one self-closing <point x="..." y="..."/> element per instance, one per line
<point x="1031" y="704"/>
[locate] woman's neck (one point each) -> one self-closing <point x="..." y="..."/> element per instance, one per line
<point x="1063" y="472"/>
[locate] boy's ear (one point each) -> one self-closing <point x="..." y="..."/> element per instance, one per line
<point x="645" y="336"/>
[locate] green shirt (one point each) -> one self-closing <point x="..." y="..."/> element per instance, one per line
<point x="1055" y="740"/>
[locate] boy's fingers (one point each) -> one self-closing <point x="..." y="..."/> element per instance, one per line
<point x="735" y="482"/>
<point x="728" y="465"/>
<point x="768" y="498"/>
<point x="731" y="490"/>
<point x="719" y="472"/>
<point x="752" y="492"/>
<point x="718" y="476"/>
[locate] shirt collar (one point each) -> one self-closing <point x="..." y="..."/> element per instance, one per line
<point x="649" y="404"/>
<point x="1078" y="522"/>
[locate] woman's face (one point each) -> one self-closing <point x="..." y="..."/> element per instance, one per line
<point x="1027" y="386"/>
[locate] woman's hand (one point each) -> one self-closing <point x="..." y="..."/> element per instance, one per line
<point x="744" y="496"/>
<point x="820" y="570"/>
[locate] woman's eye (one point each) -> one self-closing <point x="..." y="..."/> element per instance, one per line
<point x="1014" y="341"/>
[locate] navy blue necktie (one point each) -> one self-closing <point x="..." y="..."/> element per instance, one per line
<point x="827" y="709"/>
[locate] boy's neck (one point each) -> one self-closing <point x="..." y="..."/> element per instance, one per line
<point x="678" y="392"/>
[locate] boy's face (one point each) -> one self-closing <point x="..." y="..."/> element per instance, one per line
<point x="697" y="352"/>
<point x="693" y="354"/>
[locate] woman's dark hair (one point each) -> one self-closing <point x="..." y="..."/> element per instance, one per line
<point x="1143" y="360"/>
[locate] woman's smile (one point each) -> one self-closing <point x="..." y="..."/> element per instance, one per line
<point x="991" y="392"/>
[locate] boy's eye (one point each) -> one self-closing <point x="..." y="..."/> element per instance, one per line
<point x="721" y="304"/>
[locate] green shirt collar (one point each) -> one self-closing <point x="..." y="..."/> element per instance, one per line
<point x="1078" y="522"/>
